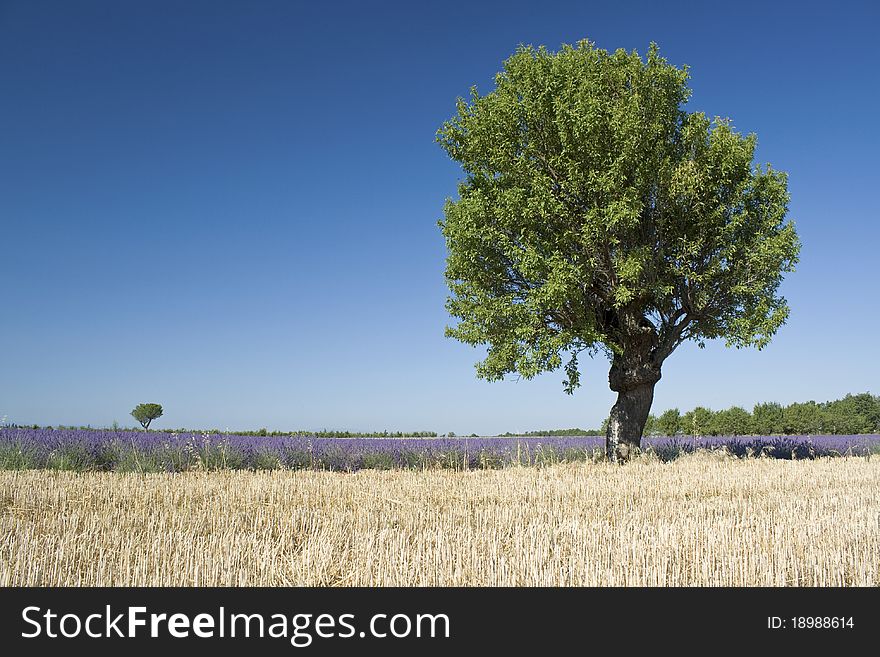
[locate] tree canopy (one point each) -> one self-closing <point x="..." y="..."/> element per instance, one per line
<point x="146" y="413"/>
<point x="598" y="215"/>
<point x="593" y="201"/>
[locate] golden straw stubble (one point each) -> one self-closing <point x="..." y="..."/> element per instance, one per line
<point x="700" y="520"/>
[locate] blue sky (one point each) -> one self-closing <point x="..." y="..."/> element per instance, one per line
<point x="230" y="208"/>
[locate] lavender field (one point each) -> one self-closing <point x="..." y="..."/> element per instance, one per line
<point x="130" y="451"/>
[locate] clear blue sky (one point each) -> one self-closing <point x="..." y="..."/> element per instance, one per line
<point x="230" y="208"/>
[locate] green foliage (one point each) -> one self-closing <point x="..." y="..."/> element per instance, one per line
<point x="669" y="423"/>
<point x="735" y="421"/>
<point x="767" y="419"/>
<point x="853" y="414"/>
<point x="697" y="422"/>
<point x="802" y="418"/>
<point x="146" y="413"/>
<point x="595" y="207"/>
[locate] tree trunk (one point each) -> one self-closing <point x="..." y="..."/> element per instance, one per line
<point x="635" y="370"/>
<point x="623" y="438"/>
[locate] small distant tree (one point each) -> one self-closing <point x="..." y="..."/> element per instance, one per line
<point x="146" y="413"/>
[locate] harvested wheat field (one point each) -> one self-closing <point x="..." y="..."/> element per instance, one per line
<point x="700" y="520"/>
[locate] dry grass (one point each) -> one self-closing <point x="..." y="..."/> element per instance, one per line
<point x="701" y="520"/>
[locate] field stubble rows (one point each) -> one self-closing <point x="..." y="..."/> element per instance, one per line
<point x="705" y="519"/>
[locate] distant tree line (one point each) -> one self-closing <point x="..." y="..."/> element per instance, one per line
<point x="851" y="415"/>
<point x="558" y="432"/>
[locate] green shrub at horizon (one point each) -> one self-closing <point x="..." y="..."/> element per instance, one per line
<point x="853" y="414"/>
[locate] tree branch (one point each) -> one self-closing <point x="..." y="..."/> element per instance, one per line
<point x="671" y="335"/>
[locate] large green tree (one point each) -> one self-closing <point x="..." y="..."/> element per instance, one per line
<point x="597" y="215"/>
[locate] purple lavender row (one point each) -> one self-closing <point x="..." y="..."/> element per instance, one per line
<point x="77" y="449"/>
